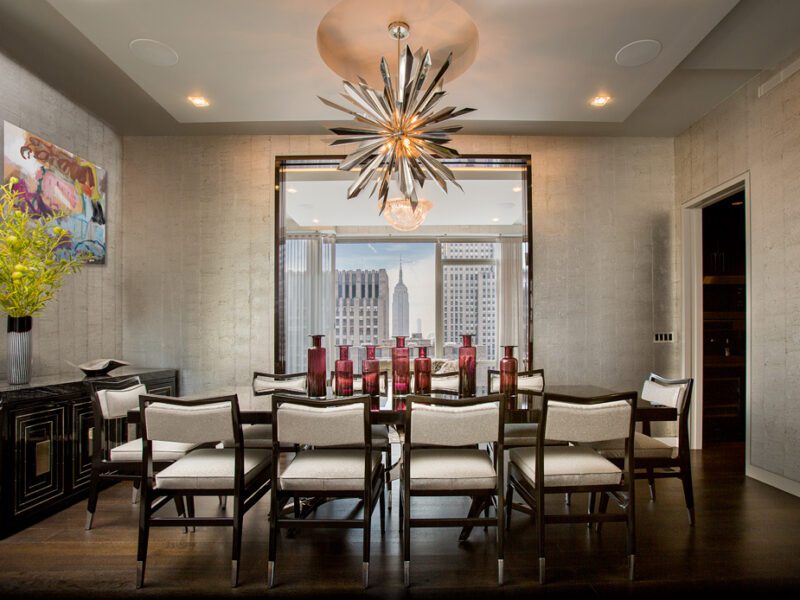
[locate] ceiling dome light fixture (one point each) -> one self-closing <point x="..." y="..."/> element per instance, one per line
<point x="638" y="53"/>
<point x="153" y="52"/>
<point x="402" y="136"/>
<point x="402" y="217"/>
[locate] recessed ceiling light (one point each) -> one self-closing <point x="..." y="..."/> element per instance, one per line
<point x="291" y="190"/>
<point x="638" y="53"/>
<point x="600" y="101"/>
<point x="315" y="220"/>
<point x="198" y="101"/>
<point x="153" y="52"/>
<point x="495" y="220"/>
<point x="517" y="188"/>
<point x="737" y="203"/>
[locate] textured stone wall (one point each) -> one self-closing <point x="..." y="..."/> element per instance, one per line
<point x="85" y="320"/>
<point x="199" y="236"/>
<point x="762" y="136"/>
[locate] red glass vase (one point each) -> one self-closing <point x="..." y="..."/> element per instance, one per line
<point x="467" y="359"/>
<point x="508" y="372"/>
<point x="344" y="372"/>
<point x="370" y="375"/>
<point x="317" y="366"/>
<point x="400" y="378"/>
<point x="422" y="372"/>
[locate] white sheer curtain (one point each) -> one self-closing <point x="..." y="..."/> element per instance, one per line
<point x="310" y="295"/>
<point x="511" y="299"/>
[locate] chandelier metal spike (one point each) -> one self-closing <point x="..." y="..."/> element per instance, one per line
<point x="399" y="132"/>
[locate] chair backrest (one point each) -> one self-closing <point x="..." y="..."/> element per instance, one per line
<point x="528" y="381"/>
<point x="587" y="421"/>
<point x="269" y="383"/>
<point x="462" y="422"/>
<point x="195" y="420"/>
<point x="445" y="382"/>
<point x="321" y="422"/>
<point x="676" y="393"/>
<point x="111" y="401"/>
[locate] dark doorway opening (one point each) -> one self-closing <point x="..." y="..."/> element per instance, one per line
<point x="724" y="342"/>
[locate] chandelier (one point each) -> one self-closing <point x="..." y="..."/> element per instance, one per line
<point x="402" y="216"/>
<point x="402" y="136"/>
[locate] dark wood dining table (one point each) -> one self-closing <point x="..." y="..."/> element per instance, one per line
<point x="524" y="407"/>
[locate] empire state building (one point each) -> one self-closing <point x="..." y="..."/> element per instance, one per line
<point x="400" y="307"/>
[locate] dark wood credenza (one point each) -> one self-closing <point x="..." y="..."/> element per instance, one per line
<point x="46" y="450"/>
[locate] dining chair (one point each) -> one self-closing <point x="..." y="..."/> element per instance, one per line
<point x="380" y="433"/>
<point x="519" y="434"/>
<point x="661" y="457"/>
<point x="445" y="382"/>
<point x="442" y="457"/>
<point x="114" y="456"/>
<point x="324" y="471"/>
<point x="577" y="467"/>
<point x="243" y="473"/>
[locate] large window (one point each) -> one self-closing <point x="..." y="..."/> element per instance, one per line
<point x="345" y="272"/>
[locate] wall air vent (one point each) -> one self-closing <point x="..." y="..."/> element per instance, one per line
<point x="662" y="338"/>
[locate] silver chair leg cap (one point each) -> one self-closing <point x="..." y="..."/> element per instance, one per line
<point x="89" y="520"/>
<point x="234" y="573"/>
<point x="406" y="573"/>
<point x="500" y="575"/>
<point x="652" y="493"/>
<point x="566" y="498"/>
<point x="139" y="574"/>
<point x="365" y="574"/>
<point x="270" y="573"/>
<point x="223" y="502"/>
<point x="135" y="495"/>
<point x="631" y="566"/>
<point x="541" y="570"/>
<point x="690" y="511"/>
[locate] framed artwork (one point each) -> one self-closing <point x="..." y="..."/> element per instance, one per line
<point x="52" y="179"/>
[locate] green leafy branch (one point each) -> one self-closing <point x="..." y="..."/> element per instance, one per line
<point x="32" y="260"/>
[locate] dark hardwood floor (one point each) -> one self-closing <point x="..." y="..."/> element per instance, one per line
<point x="747" y="539"/>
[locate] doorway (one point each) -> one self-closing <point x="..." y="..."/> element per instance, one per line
<point x="724" y="331"/>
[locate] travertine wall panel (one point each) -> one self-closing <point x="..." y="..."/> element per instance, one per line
<point x="85" y="320"/>
<point x="762" y="136"/>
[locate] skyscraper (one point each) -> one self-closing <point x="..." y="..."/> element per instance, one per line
<point x="400" y="306"/>
<point x="362" y="307"/>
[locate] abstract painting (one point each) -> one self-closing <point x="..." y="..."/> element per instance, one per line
<point x="52" y="179"/>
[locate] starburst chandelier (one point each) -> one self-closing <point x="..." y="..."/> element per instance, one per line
<point x="403" y="137"/>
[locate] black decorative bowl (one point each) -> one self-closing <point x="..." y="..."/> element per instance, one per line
<point x="101" y="366"/>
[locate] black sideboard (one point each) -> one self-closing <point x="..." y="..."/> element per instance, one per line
<point x="46" y="450"/>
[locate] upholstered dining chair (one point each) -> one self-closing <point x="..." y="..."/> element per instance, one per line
<point x="324" y="471"/>
<point x="445" y="383"/>
<point x="243" y="473"/>
<point x="114" y="456"/>
<point x="519" y="434"/>
<point x="380" y="433"/>
<point x="266" y="384"/>
<point x="660" y="457"/>
<point x="535" y="472"/>
<point x="442" y="457"/>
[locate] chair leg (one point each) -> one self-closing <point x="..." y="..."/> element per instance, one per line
<point x="190" y="510"/>
<point x="688" y="492"/>
<point x="602" y="509"/>
<point x="274" y="512"/>
<point x="540" y="536"/>
<point x="388" y="468"/>
<point x="382" y="508"/>
<point x="144" y="534"/>
<point x="236" y="548"/>
<point x="488" y="502"/>
<point x="509" y="502"/>
<point x="652" y="483"/>
<point x="94" y="490"/>
<point x="367" y="532"/>
<point x="180" y="507"/>
<point x="590" y="508"/>
<point x="406" y="506"/>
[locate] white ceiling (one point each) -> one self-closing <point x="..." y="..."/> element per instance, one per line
<point x="256" y="60"/>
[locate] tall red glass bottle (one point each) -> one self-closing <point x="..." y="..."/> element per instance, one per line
<point x="370" y="375"/>
<point x="400" y="378"/>
<point x="317" y="365"/>
<point x="467" y="359"/>
<point x="422" y="372"/>
<point x="344" y="372"/>
<point x="508" y="372"/>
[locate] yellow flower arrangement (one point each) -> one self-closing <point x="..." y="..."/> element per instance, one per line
<point x="32" y="263"/>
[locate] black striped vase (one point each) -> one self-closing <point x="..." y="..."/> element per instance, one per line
<point x="19" y="349"/>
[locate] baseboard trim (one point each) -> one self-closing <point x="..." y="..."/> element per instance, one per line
<point x="777" y="481"/>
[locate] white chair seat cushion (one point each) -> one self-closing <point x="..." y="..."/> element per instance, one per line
<point x="520" y="434"/>
<point x="327" y="469"/>
<point x="645" y="447"/>
<point x="567" y="466"/>
<point x="162" y="451"/>
<point x="452" y="469"/>
<point x="211" y="469"/>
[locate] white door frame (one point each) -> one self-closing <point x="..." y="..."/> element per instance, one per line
<point x="692" y="299"/>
